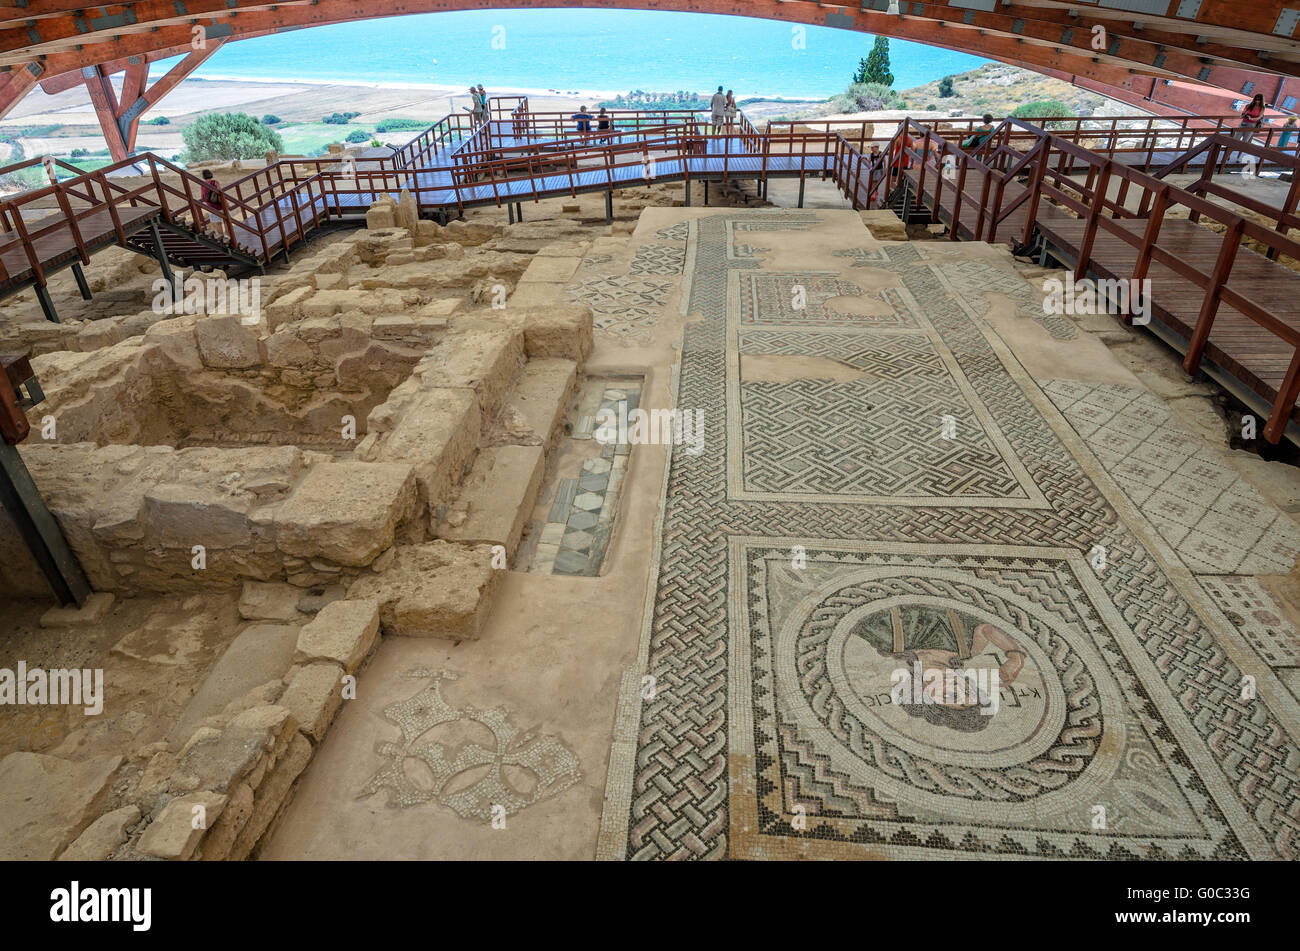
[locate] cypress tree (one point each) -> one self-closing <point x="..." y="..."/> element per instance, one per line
<point x="875" y="68"/>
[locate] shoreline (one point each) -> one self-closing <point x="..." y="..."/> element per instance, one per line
<point x="451" y="89"/>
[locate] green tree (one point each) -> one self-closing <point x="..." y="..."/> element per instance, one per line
<point x="875" y="68"/>
<point x="229" y="135"/>
<point x="945" y="88"/>
<point x="1043" y="108"/>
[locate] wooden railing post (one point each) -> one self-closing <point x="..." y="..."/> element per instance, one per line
<point x="1090" y="228"/>
<point x="1210" y="305"/>
<point x="1287" y="394"/>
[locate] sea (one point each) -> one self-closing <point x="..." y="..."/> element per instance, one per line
<point x="580" y="50"/>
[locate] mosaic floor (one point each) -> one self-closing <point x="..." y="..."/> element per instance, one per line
<point x="575" y="536"/>
<point x="932" y="509"/>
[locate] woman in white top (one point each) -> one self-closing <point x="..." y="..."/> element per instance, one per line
<point x="731" y="110"/>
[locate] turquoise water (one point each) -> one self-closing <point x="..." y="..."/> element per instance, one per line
<point x="579" y="49"/>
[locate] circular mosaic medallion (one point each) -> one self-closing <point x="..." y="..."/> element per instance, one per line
<point x="953" y="686"/>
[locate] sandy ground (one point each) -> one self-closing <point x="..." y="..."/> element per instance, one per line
<point x="293" y="102"/>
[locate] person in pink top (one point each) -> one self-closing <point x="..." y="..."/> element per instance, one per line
<point x="1252" y="117"/>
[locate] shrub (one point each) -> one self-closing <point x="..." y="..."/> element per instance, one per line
<point x="358" y="135"/>
<point x="402" y="125"/>
<point x="1042" y="109"/>
<point x="945" y="88"/>
<point x="271" y="120"/>
<point x="339" y="118"/>
<point x="229" y="135"/>
<point x="158" y="120"/>
<point x="866" y="97"/>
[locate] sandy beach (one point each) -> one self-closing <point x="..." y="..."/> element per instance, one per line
<point x="295" y="102"/>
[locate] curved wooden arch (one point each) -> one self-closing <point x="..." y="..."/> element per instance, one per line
<point x="1101" y="47"/>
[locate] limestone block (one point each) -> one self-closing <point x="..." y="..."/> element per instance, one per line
<point x="537" y="294"/>
<point x="884" y="225"/>
<point x="175" y="338"/>
<point x="172" y="834"/>
<point x="347" y="512"/>
<point x="560" y="331"/>
<point x="437" y="433"/>
<point x="329" y="282"/>
<point x="181" y="516"/>
<point x="270" y="796"/>
<point x="381" y="215"/>
<point x="535" y="409"/>
<point x="92" y="612"/>
<point x="315" y="694"/>
<point x="102" y="836"/>
<point x="471" y="233"/>
<point x="407" y="215"/>
<point x="548" y="268"/>
<point x="287" y="349"/>
<point x="437" y="589"/>
<point x="426" y="233"/>
<point x="393" y="327"/>
<point x="269" y="601"/>
<point x="46" y="802"/>
<point x="259" y="653"/>
<point x="442" y="308"/>
<point x="219" y="759"/>
<point x="216" y="845"/>
<point x="101" y="333"/>
<point x="498" y="497"/>
<point x="343" y="632"/>
<point x="287" y="308"/>
<point x="225" y="343"/>
<point x="485" y="361"/>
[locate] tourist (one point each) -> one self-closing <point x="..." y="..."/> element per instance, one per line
<point x="485" y="109"/>
<point x="583" y="118"/>
<point x="604" y="124"/>
<point x="476" y="109"/>
<point x="213" y="199"/>
<point x="1288" y="130"/>
<point x="876" y="157"/>
<point x="731" y="110"/>
<point x="718" y="111"/>
<point x="979" y="133"/>
<point x="1252" y="117"/>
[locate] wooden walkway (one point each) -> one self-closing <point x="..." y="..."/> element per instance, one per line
<point x="57" y="248"/>
<point x="1199" y="277"/>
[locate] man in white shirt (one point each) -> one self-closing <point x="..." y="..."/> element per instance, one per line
<point x="718" y="106"/>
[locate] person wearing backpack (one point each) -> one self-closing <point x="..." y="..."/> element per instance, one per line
<point x="213" y="199"/>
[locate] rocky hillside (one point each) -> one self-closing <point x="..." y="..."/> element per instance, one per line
<point x="997" y="88"/>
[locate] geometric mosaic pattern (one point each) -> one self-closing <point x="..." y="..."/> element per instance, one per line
<point x="624" y="307"/>
<point x="1200" y="505"/>
<point x="658" y="259"/>
<point x="1255" y="614"/>
<point x="1122" y="730"/>
<point x="677" y="232"/>
<point x="977" y="275"/>
<point x="907" y="429"/>
<point x="769" y="298"/>
<point x="520" y="768"/>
